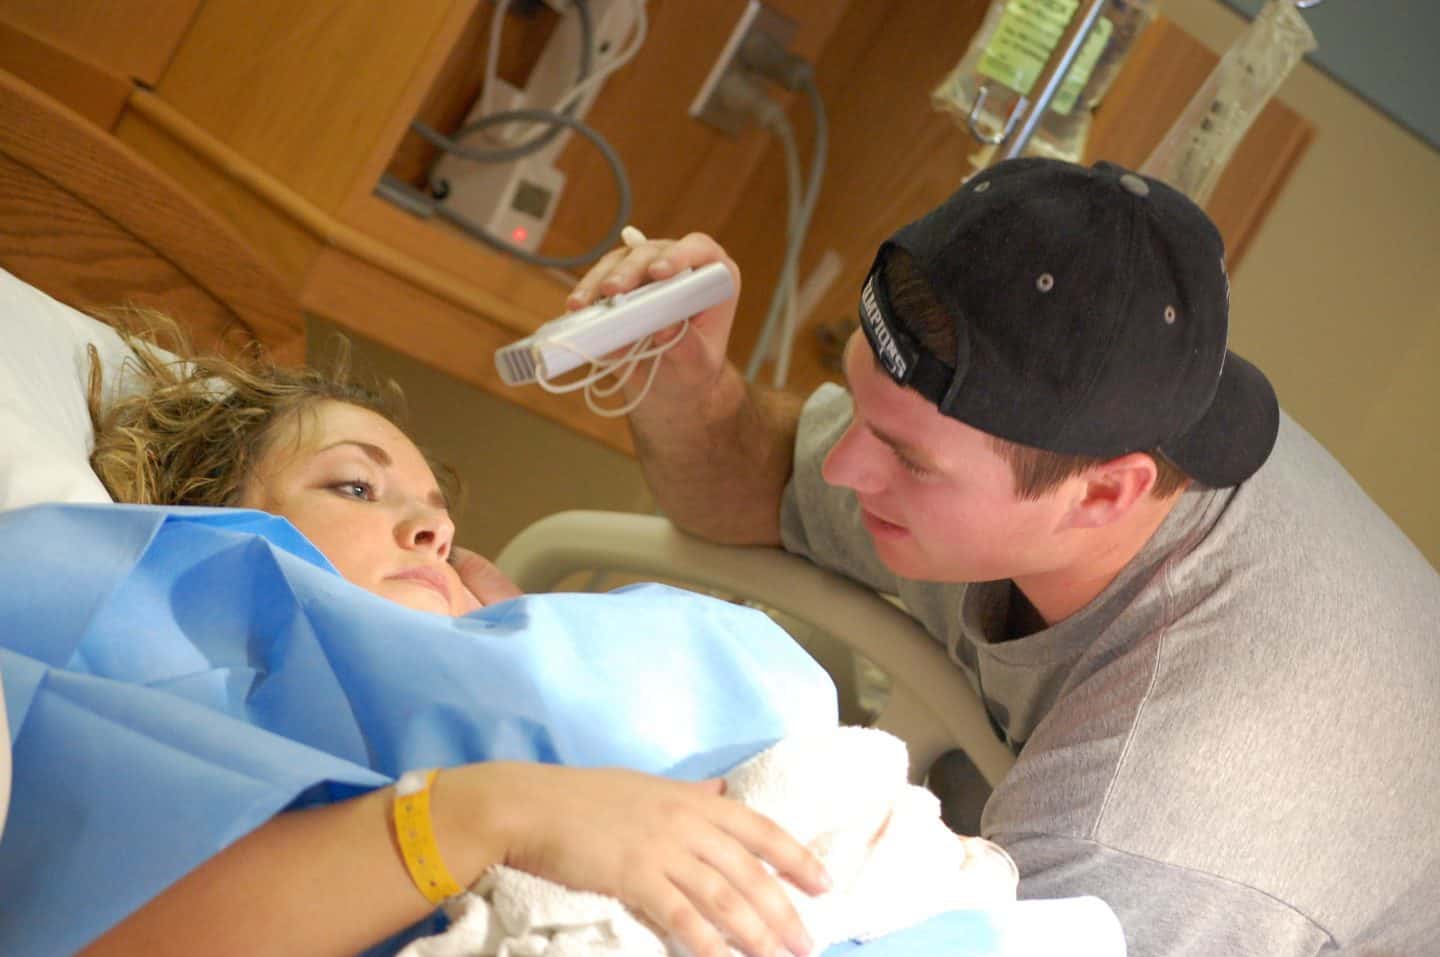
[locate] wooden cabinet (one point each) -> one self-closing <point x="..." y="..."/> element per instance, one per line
<point x="128" y="38"/>
<point x="283" y="114"/>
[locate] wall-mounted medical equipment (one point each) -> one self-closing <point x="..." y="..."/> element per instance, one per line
<point x="516" y="198"/>
<point x="496" y="178"/>
<point x="1036" y="69"/>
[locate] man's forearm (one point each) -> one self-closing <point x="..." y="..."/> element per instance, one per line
<point x="718" y="463"/>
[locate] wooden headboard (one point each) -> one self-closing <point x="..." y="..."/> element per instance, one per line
<point x="94" y="224"/>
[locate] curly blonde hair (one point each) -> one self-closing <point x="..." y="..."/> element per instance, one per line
<point x="188" y="428"/>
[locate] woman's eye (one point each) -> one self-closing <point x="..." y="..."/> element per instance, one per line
<point x="357" y="490"/>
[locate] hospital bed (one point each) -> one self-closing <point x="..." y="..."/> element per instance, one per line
<point x="90" y="223"/>
<point x="924" y="699"/>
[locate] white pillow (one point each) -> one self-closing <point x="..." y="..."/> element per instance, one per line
<point x="45" y="431"/>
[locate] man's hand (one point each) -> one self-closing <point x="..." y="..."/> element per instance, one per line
<point x="695" y="363"/>
<point x="484" y="583"/>
<point x="715" y="452"/>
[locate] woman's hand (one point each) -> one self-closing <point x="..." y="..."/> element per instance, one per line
<point x="484" y="583"/>
<point x="697" y="360"/>
<point x="678" y="854"/>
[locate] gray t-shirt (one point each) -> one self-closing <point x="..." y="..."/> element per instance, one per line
<point x="1236" y="744"/>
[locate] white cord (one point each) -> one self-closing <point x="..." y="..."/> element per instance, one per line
<point x="784" y="290"/>
<point x="637" y="30"/>
<point x="622" y="368"/>
<point x="492" y="58"/>
<point x="807" y="210"/>
<point x="785" y="284"/>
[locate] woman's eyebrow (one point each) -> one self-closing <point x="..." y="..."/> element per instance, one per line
<point x="375" y="452"/>
<point x="382" y="458"/>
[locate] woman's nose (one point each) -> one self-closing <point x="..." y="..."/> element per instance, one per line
<point x="853" y="461"/>
<point x="427" y="528"/>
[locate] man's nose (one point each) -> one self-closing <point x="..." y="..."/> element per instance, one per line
<point x="854" y="461"/>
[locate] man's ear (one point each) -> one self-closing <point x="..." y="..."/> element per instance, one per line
<point x="1107" y="492"/>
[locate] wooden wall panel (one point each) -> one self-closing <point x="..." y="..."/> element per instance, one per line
<point x="316" y="94"/>
<point x="56" y="242"/>
<point x="287" y="243"/>
<point x="518" y="296"/>
<point x="686" y="175"/>
<point x="97" y="225"/>
<point x="133" y="38"/>
<point x="93" y="92"/>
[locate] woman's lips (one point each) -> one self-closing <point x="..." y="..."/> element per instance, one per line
<point x="424" y="575"/>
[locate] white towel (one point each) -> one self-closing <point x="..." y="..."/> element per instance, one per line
<point x="842" y="792"/>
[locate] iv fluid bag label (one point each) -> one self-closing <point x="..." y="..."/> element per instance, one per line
<point x="1024" y="39"/>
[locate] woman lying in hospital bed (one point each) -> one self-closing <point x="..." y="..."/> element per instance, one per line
<point x="178" y="677"/>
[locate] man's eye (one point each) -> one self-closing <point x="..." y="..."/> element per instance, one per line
<point x="918" y="471"/>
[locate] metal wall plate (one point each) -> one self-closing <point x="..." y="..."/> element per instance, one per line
<point x="757" y="20"/>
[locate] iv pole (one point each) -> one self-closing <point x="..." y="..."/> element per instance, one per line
<point x="1028" y="113"/>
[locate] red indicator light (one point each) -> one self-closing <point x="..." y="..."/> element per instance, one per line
<point x="519" y="234"/>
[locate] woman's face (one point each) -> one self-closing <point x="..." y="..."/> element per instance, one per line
<point x="364" y="495"/>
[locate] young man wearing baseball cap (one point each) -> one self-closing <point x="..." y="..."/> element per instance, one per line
<point x="1217" y="660"/>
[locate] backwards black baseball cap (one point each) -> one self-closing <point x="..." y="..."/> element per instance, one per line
<point x="1091" y="313"/>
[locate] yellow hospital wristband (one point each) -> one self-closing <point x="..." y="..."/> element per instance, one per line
<point x="415" y="833"/>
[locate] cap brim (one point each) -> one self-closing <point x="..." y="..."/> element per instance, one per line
<point x="1235" y="435"/>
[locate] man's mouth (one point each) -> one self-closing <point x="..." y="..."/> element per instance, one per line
<point x="876" y="525"/>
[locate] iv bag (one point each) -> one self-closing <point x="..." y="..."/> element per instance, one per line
<point x="1009" y="52"/>
<point x="1194" y="152"/>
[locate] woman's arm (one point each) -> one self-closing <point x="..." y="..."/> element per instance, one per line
<point x="327" y="880"/>
<point x="330" y="880"/>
